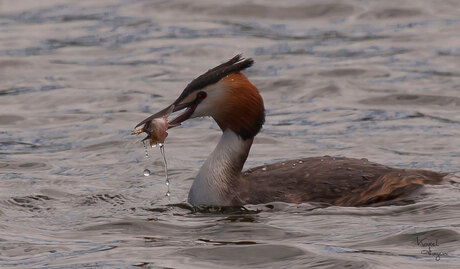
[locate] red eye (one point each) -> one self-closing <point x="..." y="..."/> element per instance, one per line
<point x="201" y="95"/>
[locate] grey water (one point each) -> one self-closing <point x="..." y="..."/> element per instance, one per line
<point x="357" y="78"/>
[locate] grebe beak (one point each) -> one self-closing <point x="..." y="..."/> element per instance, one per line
<point x="189" y="109"/>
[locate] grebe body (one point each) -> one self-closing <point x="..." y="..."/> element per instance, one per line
<point x="226" y="95"/>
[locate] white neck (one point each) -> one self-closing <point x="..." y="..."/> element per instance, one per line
<point x="221" y="172"/>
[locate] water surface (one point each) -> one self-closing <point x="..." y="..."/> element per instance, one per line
<point x="367" y="79"/>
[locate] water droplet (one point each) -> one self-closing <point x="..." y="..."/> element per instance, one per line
<point x="322" y="160"/>
<point x="146" y="172"/>
<point x="283" y="163"/>
<point x="300" y="161"/>
<point x="167" y="182"/>
<point x="264" y="168"/>
<point x="293" y="164"/>
<point x="399" y="174"/>
<point x="168" y="194"/>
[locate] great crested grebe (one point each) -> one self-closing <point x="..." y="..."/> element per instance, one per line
<point x="226" y="95"/>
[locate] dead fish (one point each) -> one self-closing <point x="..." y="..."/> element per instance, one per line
<point x="155" y="128"/>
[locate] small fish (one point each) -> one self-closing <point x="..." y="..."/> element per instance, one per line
<point x="156" y="128"/>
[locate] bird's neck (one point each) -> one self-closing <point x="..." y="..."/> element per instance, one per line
<point x="220" y="174"/>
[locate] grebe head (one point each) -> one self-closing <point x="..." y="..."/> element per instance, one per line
<point x="226" y="95"/>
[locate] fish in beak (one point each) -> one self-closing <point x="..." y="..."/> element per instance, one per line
<point x="156" y="125"/>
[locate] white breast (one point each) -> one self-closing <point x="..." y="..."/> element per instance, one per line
<point x="210" y="186"/>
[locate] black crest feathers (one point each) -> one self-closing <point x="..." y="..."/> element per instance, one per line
<point x="234" y="65"/>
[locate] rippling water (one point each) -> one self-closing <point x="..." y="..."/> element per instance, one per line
<point x="373" y="79"/>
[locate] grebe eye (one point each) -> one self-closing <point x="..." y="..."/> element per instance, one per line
<point x="201" y="95"/>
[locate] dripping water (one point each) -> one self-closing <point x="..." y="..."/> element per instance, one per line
<point x="165" y="164"/>
<point x="145" y="147"/>
<point x="146" y="171"/>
